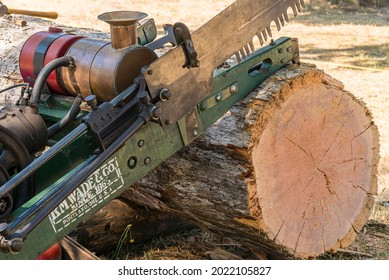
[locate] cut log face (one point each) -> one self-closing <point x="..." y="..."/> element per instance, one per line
<point x="314" y="160"/>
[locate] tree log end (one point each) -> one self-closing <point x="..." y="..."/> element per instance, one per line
<point x="314" y="150"/>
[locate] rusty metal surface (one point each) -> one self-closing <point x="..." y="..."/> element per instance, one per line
<point x="123" y="27"/>
<point x="231" y="32"/>
<point x="112" y="71"/>
<point x="76" y="80"/>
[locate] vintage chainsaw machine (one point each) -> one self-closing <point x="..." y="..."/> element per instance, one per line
<point x="94" y="116"/>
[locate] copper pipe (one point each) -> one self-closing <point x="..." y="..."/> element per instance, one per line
<point x="123" y="27"/>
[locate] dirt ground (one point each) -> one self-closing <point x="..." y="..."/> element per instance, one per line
<point x="352" y="46"/>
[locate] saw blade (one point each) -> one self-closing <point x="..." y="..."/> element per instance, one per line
<point x="230" y="32"/>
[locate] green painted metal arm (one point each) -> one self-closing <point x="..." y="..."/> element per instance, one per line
<point x="143" y="152"/>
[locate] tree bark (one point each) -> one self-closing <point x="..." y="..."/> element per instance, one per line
<point x="101" y="233"/>
<point x="290" y="170"/>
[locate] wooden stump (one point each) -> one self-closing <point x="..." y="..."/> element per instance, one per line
<point x="289" y="171"/>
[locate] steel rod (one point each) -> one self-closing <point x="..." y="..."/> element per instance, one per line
<point x="50" y="153"/>
<point x="69" y="185"/>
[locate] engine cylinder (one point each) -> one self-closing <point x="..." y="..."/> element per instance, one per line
<point x="101" y="68"/>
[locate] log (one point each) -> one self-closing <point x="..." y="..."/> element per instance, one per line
<point x="290" y="171"/>
<point x="102" y="232"/>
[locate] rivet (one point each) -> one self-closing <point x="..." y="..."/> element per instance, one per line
<point x="218" y="97"/>
<point x="150" y="72"/>
<point x="203" y="106"/>
<point x="131" y="163"/>
<point x="147" y="160"/>
<point x="168" y="122"/>
<point x="141" y="143"/>
<point x="233" y="89"/>
<point x="289" y="49"/>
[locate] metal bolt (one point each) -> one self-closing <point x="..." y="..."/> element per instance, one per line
<point x="141" y="143"/>
<point x="91" y="100"/>
<point x="283" y="61"/>
<point x="16" y="246"/>
<point x="289" y="49"/>
<point x="234" y="88"/>
<point x="195" y="132"/>
<point x="150" y="72"/>
<point x="168" y="122"/>
<point x="131" y="163"/>
<point x="203" y="106"/>
<point x="147" y="160"/>
<point x="165" y="94"/>
<point x="218" y="97"/>
<point x="280" y="50"/>
<point x="272" y="43"/>
<point x="156" y="113"/>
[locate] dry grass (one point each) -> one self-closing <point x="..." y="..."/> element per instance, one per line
<point x="326" y="35"/>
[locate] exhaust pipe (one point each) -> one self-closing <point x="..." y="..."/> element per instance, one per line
<point x="123" y="27"/>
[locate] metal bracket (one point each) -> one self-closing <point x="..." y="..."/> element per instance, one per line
<point x="189" y="126"/>
<point x="183" y="38"/>
<point x="213" y="100"/>
<point x="147" y="31"/>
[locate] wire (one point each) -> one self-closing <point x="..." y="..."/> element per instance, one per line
<point x="14" y="86"/>
<point x="344" y="65"/>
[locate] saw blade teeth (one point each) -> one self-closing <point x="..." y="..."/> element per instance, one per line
<point x="298" y="6"/>
<point x="295" y="13"/>
<point x="242" y="54"/>
<point x="251" y="45"/>
<point x="278" y="24"/>
<point x="264" y="34"/>
<point x="286" y="17"/>
<point x="268" y="29"/>
<point x="238" y="58"/>
<point x="281" y="20"/>
<point x="302" y="3"/>
<point x="260" y="39"/>
<point x="247" y="49"/>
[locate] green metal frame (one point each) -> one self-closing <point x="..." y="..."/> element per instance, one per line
<point x="143" y="152"/>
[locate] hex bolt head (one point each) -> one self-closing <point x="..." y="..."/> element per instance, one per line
<point x="156" y="113"/>
<point x="165" y="94"/>
<point x="16" y="246"/>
